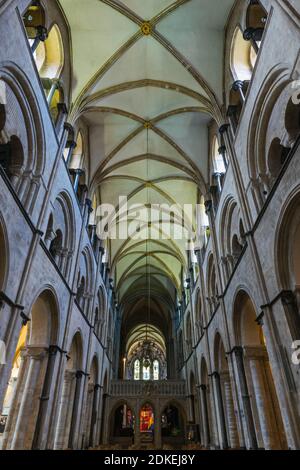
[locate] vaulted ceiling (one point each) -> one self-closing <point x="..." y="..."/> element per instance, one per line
<point x="147" y="79"/>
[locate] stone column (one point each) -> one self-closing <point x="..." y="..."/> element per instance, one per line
<point x="204" y="412"/>
<point x="54" y="86"/>
<point x="23" y="432"/>
<point x="62" y="430"/>
<point x="157" y="427"/>
<point x="72" y="146"/>
<point x="93" y="428"/>
<point x="239" y="358"/>
<point x="72" y="436"/>
<point x="105" y="415"/>
<point x="137" y="434"/>
<point x="78" y="172"/>
<point x="44" y="399"/>
<point x="99" y="416"/>
<point x="263" y="402"/>
<point x="220" y="410"/>
<point x="229" y="409"/>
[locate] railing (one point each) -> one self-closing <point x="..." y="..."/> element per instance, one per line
<point x="132" y="388"/>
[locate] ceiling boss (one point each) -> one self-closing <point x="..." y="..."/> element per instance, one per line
<point x="146" y="28"/>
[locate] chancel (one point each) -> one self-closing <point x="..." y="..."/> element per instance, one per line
<point x="149" y="225"/>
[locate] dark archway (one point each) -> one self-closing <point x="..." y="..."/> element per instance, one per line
<point x="122" y="425"/>
<point x="173" y="425"/>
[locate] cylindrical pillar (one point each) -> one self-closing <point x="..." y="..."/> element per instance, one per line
<point x="239" y="358"/>
<point x="230" y="414"/>
<point x="23" y="432"/>
<point x="264" y="404"/>
<point x="205" y="419"/>
<point x="62" y="429"/>
<point x="220" y="410"/>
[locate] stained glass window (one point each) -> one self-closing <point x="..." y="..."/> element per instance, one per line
<point x="137" y="370"/>
<point x="146" y="373"/>
<point x="155" y="370"/>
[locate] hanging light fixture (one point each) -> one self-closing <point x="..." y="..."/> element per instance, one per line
<point x="146" y="344"/>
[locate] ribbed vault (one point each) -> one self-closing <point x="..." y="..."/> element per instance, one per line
<point x="147" y="80"/>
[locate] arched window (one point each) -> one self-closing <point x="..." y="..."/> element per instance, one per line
<point x="218" y="161"/>
<point x="34" y="22"/>
<point x="146" y="372"/>
<point x="49" y="55"/>
<point x="77" y="155"/>
<point x="155" y="370"/>
<point x="256" y="19"/>
<point x="12" y="383"/>
<point x="243" y="57"/>
<point x="203" y="225"/>
<point x="137" y="369"/>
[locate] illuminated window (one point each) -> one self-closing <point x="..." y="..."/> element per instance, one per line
<point x="146" y="373"/>
<point x="12" y="383"/>
<point x="243" y="57"/>
<point x="137" y="370"/>
<point x="218" y="161"/>
<point x="155" y="370"/>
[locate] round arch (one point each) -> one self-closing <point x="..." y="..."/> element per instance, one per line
<point x="249" y="336"/>
<point x="21" y="406"/>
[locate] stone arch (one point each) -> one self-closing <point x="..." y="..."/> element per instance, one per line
<point x="47" y="39"/>
<point x="173" y="427"/>
<point x="30" y="374"/>
<point x="85" y="280"/>
<point x="292" y="119"/>
<point x="230" y="235"/>
<point x="67" y="423"/>
<point x="61" y="232"/>
<point x="286" y="256"/>
<point x="122" y="422"/>
<point x="49" y="55"/>
<point x="21" y="135"/>
<point x="286" y="253"/>
<point x="272" y="133"/>
<point x="259" y="378"/>
<point x="241" y="56"/>
<point x="46" y="304"/>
